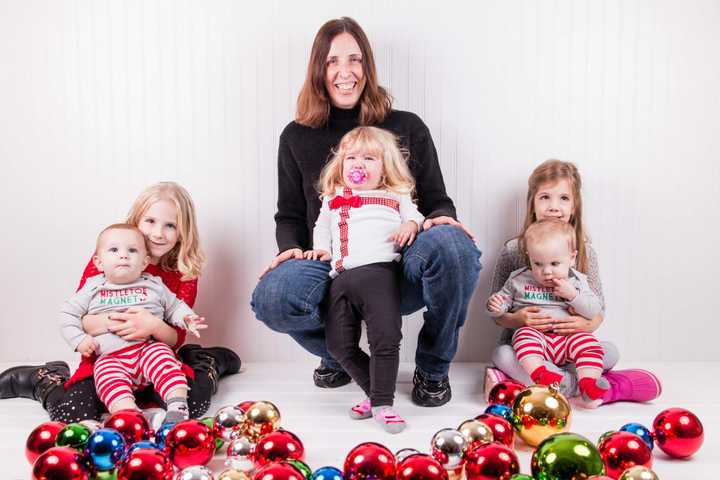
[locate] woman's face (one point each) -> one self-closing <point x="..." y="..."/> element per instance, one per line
<point x="344" y="79"/>
<point x="159" y="225"/>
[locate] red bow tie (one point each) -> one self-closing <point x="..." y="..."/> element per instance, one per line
<point x="352" y="202"/>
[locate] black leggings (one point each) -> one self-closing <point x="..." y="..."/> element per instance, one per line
<point x="81" y="402"/>
<point x="370" y="293"/>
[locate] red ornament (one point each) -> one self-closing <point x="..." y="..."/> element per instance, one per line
<point x="41" y="439"/>
<point x="131" y="424"/>
<point x="276" y="446"/>
<point x="490" y="461"/>
<point x="146" y="464"/>
<point x="505" y="392"/>
<point x="420" y="467"/>
<point x="190" y="443"/>
<point x="678" y="432"/>
<point x="59" y="463"/>
<point x="278" y="471"/>
<point x="502" y="430"/>
<point x="243" y="406"/>
<point x="369" y="461"/>
<point x="622" y="450"/>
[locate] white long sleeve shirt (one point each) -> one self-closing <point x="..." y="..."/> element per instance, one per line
<point x="356" y="225"/>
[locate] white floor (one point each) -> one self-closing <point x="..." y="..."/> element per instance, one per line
<point x="319" y="416"/>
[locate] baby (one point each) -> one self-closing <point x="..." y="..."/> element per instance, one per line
<point x="553" y="284"/>
<point x="121" y="254"/>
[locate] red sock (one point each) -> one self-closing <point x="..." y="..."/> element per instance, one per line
<point x="543" y="376"/>
<point x="589" y="386"/>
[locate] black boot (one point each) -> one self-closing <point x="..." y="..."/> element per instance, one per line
<point x="33" y="381"/>
<point x="216" y="361"/>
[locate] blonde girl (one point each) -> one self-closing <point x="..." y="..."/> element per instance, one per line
<point x="165" y="214"/>
<point x="554" y="192"/>
<point x="366" y="217"/>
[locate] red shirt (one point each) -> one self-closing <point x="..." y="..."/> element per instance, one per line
<point x="184" y="290"/>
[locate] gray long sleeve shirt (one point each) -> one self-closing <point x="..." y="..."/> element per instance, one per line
<point x="100" y="296"/>
<point x="521" y="290"/>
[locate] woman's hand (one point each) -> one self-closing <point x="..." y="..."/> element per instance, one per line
<point x="431" y="222"/>
<point x="526" y="317"/>
<point x="322" y="255"/>
<point x="405" y="235"/>
<point x="135" y="323"/>
<point x="295" y="253"/>
<point x="572" y="324"/>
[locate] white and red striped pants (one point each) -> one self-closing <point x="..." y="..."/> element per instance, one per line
<point x="118" y="372"/>
<point x="582" y="348"/>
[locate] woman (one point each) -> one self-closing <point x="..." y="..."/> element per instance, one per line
<point x="440" y="269"/>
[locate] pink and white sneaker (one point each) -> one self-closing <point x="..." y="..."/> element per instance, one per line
<point x="631" y="386"/>
<point x="361" y="411"/>
<point x="493" y="376"/>
<point x="388" y="419"/>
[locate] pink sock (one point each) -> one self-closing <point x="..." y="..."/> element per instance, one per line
<point x="543" y="376"/>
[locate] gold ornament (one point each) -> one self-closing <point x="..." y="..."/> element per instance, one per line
<point x="638" y="472"/>
<point x="539" y="412"/>
<point x="232" y="474"/>
<point x="260" y="418"/>
<point x="476" y="432"/>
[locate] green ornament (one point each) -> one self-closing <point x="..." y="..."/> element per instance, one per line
<point x="74" y="435"/>
<point x="302" y="466"/>
<point x="604" y="435"/>
<point x="210" y="422"/>
<point x="566" y="456"/>
<point x="521" y="476"/>
<point x="108" y="475"/>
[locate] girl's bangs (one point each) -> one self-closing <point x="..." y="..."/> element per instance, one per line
<point x="366" y="142"/>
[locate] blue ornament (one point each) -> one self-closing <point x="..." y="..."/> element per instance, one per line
<point x="641" y="432"/>
<point x="501" y="411"/>
<point x="162" y="434"/>
<point x="139" y="445"/>
<point x="105" y="448"/>
<point x="327" y="473"/>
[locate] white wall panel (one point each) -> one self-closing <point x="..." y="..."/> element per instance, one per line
<point x="99" y="98"/>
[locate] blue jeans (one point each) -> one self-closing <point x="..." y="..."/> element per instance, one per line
<point x="439" y="271"/>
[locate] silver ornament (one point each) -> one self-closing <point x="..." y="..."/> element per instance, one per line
<point x="447" y="448"/>
<point x="403" y="453"/>
<point x="228" y="420"/>
<point x="238" y="454"/>
<point x="196" y="472"/>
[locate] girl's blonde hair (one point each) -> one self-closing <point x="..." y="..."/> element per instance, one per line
<point x="551" y="171"/>
<point x="378" y="143"/>
<point x="186" y="256"/>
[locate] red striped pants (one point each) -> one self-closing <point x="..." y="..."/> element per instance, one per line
<point x="149" y="362"/>
<point x="582" y="348"/>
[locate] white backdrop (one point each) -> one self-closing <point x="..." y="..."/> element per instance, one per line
<point x="100" y="98"/>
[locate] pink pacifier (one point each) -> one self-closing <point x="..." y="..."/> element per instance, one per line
<point x="357" y="175"/>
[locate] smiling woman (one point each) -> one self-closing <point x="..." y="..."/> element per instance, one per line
<point x="440" y="268"/>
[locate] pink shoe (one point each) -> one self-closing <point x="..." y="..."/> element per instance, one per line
<point x="361" y="411"/>
<point x="631" y="386"/>
<point x="493" y="376"/>
<point x="389" y="419"/>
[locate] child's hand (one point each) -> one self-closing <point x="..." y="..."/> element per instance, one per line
<point x="564" y="289"/>
<point x="495" y="302"/>
<point x="321" y="255"/>
<point x="405" y="235"/>
<point x="87" y="346"/>
<point x="194" y="323"/>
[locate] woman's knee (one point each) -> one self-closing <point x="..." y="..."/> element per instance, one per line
<point x="448" y="248"/>
<point x="287" y="298"/>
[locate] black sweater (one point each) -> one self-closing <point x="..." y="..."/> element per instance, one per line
<point x="304" y="151"/>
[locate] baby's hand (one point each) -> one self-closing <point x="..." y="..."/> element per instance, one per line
<point x="194" y="323"/>
<point x="495" y="302"/>
<point x="321" y="255"/>
<point x="87" y="346"/>
<point x="564" y="289"/>
<point x="405" y="235"/>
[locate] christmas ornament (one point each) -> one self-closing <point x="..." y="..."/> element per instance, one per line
<point x="501" y="411"/>
<point x="491" y="461"/>
<point x="210" y="422"/>
<point x="276" y="446"/>
<point x="641" y="432"/>
<point x="539" y="412"/>
<point x="145" y="464"/>
<point x="502" y="430"/>
<point x="105" y="448"/>
<point x="73" y="435"/>
<point x="566" y="456"/>
<point x="638" y="473"/>
<point x="189" y="443"/>
<point x="504" y="393"/>
<point x="41" y="438"/>
<point x="161" y="434"/>
<point x="196" y="472"/>
<point x="678" y="432"/>
<point x="227" y="421"/>
<point x="142" y="444"/>
<point x="301" y="466"/>
<point x="369" y="461"/>
<point x="131" y="424"/>
<point x="278" y="471"/>
<point x="327" y="473"/>
<point x="260" y="418"/>
<point x="238" y="454"/>
<point x="420" y="467"/>
<point x="403" y="453"/>
<point x="475" y="432"/>
<point x="232" y="474"/>
<point x="622" y="450"/>
<point x="59" y="463"/>
<point x="447" y="447"/>
<point x="245" y="406"/>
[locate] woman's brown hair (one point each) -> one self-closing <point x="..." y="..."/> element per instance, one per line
<point x="313" y="105"/>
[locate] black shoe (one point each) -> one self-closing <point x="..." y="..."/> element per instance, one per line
<point x="328" y="378"/>
<point x="33" y="381"/>
<point x="216" y="361"/>
<point x="430" y="393"/>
